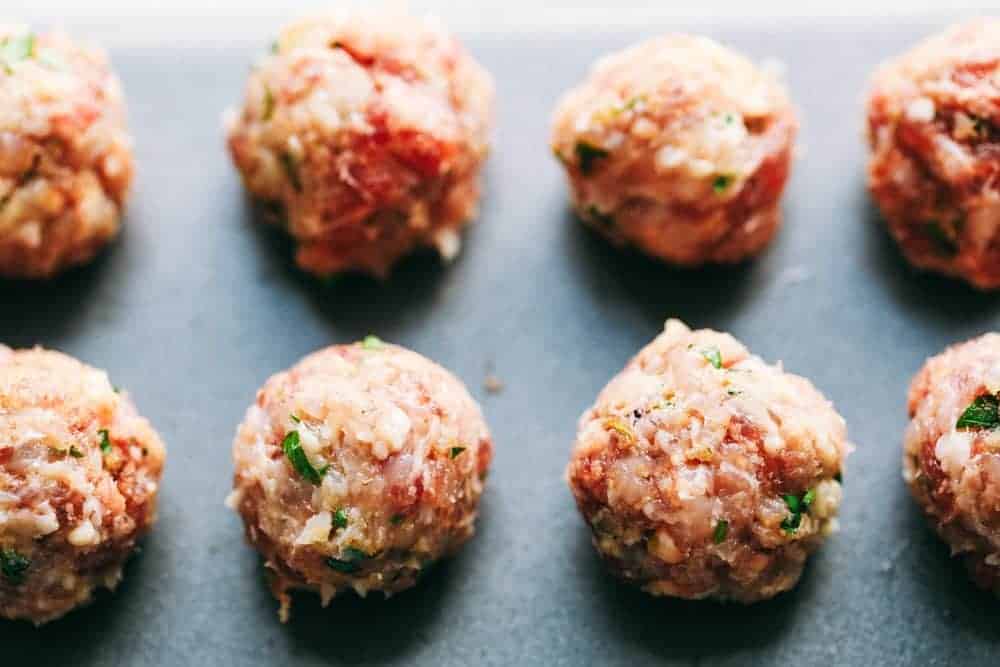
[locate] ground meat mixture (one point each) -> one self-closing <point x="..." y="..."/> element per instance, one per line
<point x="357" y="469"/>
<point x="934" y="130"/>
<point x="704" y="472"/>
<point x="65" y="155"/>
<point x="369" y="131"/>
<point x="680" y="147"/>
<point x="79" y="475"/>
<point x="952" y="452"/>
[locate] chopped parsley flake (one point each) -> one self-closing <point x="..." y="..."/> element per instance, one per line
<point x="13" y="566"/>
<point x="721" y="529"/>
<point x="75" y="453"/>
<point x="297" y="457"/>
<point x="944" y="243"/>
<point x="605" y="219"/>
<point x="295" y="419"/>
<point x="981" y="413"/>
<point x="455" y="451"/>
<point x="340" y="518"/>
<point x="268" y="104"/>
<point x="722" y="183"/>
<point x="105" y="441"/>
<point x="729" y="118"/>
<point x="839" y="477"/>
<point x="713" y="356"/>
<point x="797" y="506"/>
<point x="587" y="154"/>
<point x="291" y="170"/>
<point x="372" y="343"/>
<point x="396" y="519"/>
<point x="15" y="48"/>
<point x="350" y="562"/>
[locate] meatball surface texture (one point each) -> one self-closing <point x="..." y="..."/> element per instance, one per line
<point x="357" y="469"/>
<point x="65" y="153"/>
<point x="704" y="472"/>
<point x="680" y="147"/>
<point x="369" y="131"/>
<point x="934" y="132"/>
<point x="79" y="476"/>
<point x="951" y="457"/>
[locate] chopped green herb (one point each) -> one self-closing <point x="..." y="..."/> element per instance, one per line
<point x="605" y="219"/>
<point x="75" y="453"/>
<point x="981" y="127"/>
<point x="839" y="477"/>
<point x="633" y="103"/>
<point x="713" y="356"/>
<point x="587" y="154"/>
<point x="729" y="118"/>
<point x="733" y="392"/>
<point x="981" y="413"/>
<point x="13" y="566"/>
<point x="943" y="242"/>
<point x="797" y="506"/>
<point x="351" y="561"/>
<point x="275" y="48"/>
<point x="340" y="518"/>
<point x="268" y="104"/>
<point x="15" y="48"/>
<point x="297" y="457"/>
<point x="291" y="170"/>
<point x="295" y="419"/>
<point x="791" y="523"/>
<point x="396" y="519"/>
<point x="455" y="451"/>
<point x="793" y="503"/>
<point x="721" y="529"/>
<point x="722" y="183"/>
<point x="372" y="343"/>
<point x="105" y="441"/>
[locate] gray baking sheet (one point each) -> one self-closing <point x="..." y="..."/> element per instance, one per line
<point x="196" y="305"/>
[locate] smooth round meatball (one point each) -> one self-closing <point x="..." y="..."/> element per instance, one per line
<point x="704" y="472"/>
<point x="951" y="455"/>
<point x="79" y="475"/>
<point x="679" y="147"/>
<point x="357" y="469"/>
<point x="65" y="154"/>
<point x="369" y="131"/>
<point x="934" y="131"/>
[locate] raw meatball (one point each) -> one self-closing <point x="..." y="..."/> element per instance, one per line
<point x="65" y="155"/>
<point x="934" y="130"/>
<point x="358" y="468"/>
<point x="79" y="474"/>
<point x="952" y="452"/>
<point x="369" y="130"/>
<point x="680" y="147"/>
<point x="704" y="472"/>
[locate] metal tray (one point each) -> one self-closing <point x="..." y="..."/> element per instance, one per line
<point x="196" y="305"/>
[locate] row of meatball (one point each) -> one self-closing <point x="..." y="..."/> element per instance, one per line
<point x="367" y="131"/>
<point x="701" y="470"/>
